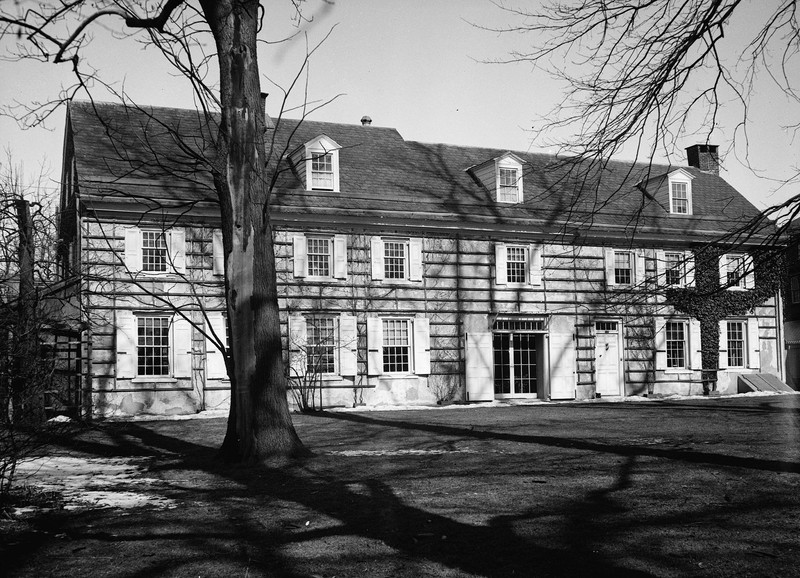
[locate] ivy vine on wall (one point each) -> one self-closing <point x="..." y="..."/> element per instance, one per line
<point x="709" y="303"/>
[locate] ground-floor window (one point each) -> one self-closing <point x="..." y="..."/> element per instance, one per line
<point x="676" y="344"/>
<point x="321" y="345"/>
<point x="396" y="345"/>
<point x="153" y="346"/>
<point x="736" y="343"/>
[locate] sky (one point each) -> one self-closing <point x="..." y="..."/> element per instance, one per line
<point x="420" y="66"/>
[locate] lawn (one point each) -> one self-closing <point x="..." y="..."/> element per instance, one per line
<point x="706" y="487"/>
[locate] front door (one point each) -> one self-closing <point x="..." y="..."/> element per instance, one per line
<point x="516" y="364"/>
<point x="607" y="360"/>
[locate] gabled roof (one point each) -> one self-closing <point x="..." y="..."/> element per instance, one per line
<point x="136" y="153"/>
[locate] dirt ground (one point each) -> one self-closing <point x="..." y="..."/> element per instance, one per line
<point x="706" y="487"/>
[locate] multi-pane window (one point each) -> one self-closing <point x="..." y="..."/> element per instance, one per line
<point x="396" y="346"/>
<point x="509" y="186"/>
<point x="680" y="198"/>
<point x="623" y="270"/>
<point x="154" y="251"/>
<point x="152" y="346"/>
<point x="319" y="254"/>
<point x="676" y="344"/>
<point x="736" y="343"/>
<point x="321" y="345"/>
<point x="395" y="259"/>
<point x="322" y="171"/>
<point x="795" y="287"/>
<point x="673" y="268"/>
<point x="735" y="270"/>
<point x="516" y="264"/>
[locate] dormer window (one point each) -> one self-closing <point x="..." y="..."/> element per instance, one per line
<point x="508" y="190"/>
<point x="322" y="171"/>
<point x="508" y="174"/>
<point x="317" y="164"/>
<point x="501" y="177"/>
<point x="680" y="193"/>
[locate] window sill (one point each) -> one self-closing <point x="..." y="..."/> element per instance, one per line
<point x="154" y="379"/>
<point x="678" y="371"/>
<point x="397" y="375"/>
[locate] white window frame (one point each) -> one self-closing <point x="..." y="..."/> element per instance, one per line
<point x="685" y="340"/>
<point x="325" y="259"/>
<point x="322" y="177"/>
<point x="302" y="159"/>
<point x="418" y="345"/>
<point x="685" y="267"/>
<point x="175" y="241"/>
<point x="631" y="268"/>
<point x="413" y="266"/>
<point x="746" y="279"/>
<point x="345" y="343"/>
<point x="313" y="323"/>
<point x="179" y="336"/>
<point x="674" y="264"/>
<point x="691" y="345"/>
<point x="399" y="322"/>
<point x="508" y="163"/>
<point x="533" y="264"/>
<point x="337" y="259"/>
<point x="684" y="178"/>
<point x="390" y="273"/>
<point x="744" y="348"/>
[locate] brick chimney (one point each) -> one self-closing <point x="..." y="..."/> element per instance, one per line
<point x="704" y="157"/>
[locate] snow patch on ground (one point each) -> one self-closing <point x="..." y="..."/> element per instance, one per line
<point x="94" y="482"/>
<point x="390" y="452"/>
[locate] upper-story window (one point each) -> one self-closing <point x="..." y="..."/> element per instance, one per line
<point x="320" y="257"/>
<point x="680" y="192"/>
<point x="319" y="252"/>
<point x="736" y="271"/>
<point x="317" y="164"/>
<point x="396" y="259"/>
<point x="673" y="268"/>
<point x="623" y="268"/>
<point x="155" y="250"/>
<point x="518" y="264"/>
<point x="322" y="171"/>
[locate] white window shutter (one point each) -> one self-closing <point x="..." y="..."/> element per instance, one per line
<point x="608" y="255"/>
<point x="535" y="264"/>
<point x="300" y="255"/>
<point x="422" y="346"/>
<point x="217" y="253"/>
<point x="298" y="338"/>
<point x="639" y="267"/>
<point x="661" y="343"/>
<point x="723" y="270"/>
<point x="723" y="345"/>
<point x="374" y="346"/>
<point x="182" y="347"/>
<point x="480" y="366"/>
<point x="126" y="344"/>
<point x="415" y="259"/>
<point x="215" y="360"/>
<point x="348" y="345"/>
<point x="694" y="344"/>
<point x="177" y="250"/>
<point x="753" y="344"/>
<point x="376" y="256"/>
<point x="340" y="257"/>
<point x="688" y="264"/>
<point x="661" y="276"/>
<point x="750" y="274"/>
<point x="133" y="249"/>
<point x="500" y="264"/>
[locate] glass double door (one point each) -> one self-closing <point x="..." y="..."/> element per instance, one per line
<point x="517" y="364"/>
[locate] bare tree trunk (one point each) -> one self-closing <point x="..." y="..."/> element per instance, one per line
<point x="27" y="401"/>
<point x="259" y="426"/>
